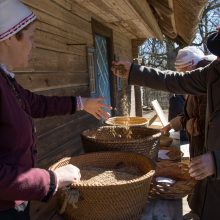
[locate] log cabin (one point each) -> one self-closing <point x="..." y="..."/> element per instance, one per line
<point x="76" y="41"/>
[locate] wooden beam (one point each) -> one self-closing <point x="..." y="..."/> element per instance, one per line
<point x="64" y="4"/>
<point x="138" y="101"/>
<point x="144" y="10"/>
<point x="162" y="7"/>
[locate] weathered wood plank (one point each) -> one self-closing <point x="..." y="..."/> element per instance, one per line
<point x="79" y="35"/>
<point x="38" y="80"/>
<point x="82" y="90"/>
<point x="47" y="60"/>
<point x="67" y="28"/>
<point x="59" y="44"/>
<point x="55" y="11"/>
<point x="55" y="138"/>
<point x="122" y="46"/>
<point x="54" y="30"/>
<point x="73" y="147"/>
<point x="101" y="9"/>
<point x="46" y="125"/>
<point x="143" y="9"/>
<point x="64" y="4"/>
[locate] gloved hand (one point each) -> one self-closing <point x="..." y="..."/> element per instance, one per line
<point x="67" y="174"/>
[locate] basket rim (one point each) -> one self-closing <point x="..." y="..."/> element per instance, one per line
<point x="111" y="119"/>
<point x="136" y="180"/>
<point x="172" y="193"/>
<point x="156" y="135"/>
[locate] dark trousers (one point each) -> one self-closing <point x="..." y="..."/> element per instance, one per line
<point x="15" y="214"/>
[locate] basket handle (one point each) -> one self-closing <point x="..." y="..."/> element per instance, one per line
<point x="70" y="196"/>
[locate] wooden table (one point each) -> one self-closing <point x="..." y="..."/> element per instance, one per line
<point x="165" y="209"/>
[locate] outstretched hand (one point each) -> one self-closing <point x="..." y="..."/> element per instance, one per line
<point x="202" y="166"/>
<point x="121" y="68"/>
<point x="96" y="107"/>
<point x="165" y="130"/>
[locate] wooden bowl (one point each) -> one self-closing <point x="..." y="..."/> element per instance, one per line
<point x="127" y="121"/>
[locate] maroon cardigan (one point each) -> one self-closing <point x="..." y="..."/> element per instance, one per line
<point x="19" y="180"/>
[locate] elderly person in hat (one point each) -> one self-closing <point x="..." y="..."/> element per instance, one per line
<point x="202" y="81"/>
<point x="186" y="60"/>
<point x="19" y="180"/>
<point x="193" y="119"/>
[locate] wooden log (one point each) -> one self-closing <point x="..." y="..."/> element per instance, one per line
<point x="45" y="125"/>
<point x="143" y="9"/>
<point x="55" y="11"/>
<point x="36" y="80"/>
<point x="48" y="60"/>
<point x="64" y="4"/>
<point x="162" y="7"/>
<point x="51" y="142"/>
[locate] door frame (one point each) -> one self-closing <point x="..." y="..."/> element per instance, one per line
<point x="100" y="29"/>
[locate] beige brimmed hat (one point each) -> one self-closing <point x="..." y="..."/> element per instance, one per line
<point x="188" y="54"/>
<point x="14" y="16"/>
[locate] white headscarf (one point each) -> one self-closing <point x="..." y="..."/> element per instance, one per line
<point x="14" y="16"/>
<point x="210" y="57"/>
<point x="188" y="56"/>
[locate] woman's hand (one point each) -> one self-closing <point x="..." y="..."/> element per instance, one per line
<point x="96" y="107"/>
<point x="67" y="174"/>
<point x="121" y="68"/>
<point x="202" y="166"/>
<point x="165" y="130"/>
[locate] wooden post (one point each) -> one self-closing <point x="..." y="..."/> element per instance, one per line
<point x="138" y="103"/>
<point x="137" y="89"/>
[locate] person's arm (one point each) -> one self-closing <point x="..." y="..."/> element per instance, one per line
<point x="176" y="123"/>
<point x="34" y="184"/>
<point x="42" y="106"/>
<point x="194" y="82"/>
<point x="19" y="184"/>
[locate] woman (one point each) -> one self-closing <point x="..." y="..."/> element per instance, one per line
<point x="201" y="81"/>
<point x="19" y="180"/>
<point x="186" y="60"/>
<point x="193" y="119"/>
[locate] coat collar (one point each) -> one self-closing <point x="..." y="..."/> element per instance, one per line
<point x="6" y="71"/>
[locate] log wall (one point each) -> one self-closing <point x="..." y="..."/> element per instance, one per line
<point x="59" y="67"/>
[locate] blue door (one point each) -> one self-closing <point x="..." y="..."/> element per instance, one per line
<point x="102" y="69"/>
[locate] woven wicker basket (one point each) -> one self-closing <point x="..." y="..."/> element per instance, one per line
<point x="177" y="171"/>
<point x="142" y="140"/>
<point x="114" y="201"/>
<point x="127" y="121"/>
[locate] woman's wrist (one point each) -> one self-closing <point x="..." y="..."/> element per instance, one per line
<point x="79" y="103"/>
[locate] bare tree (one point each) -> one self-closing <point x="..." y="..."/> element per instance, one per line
<point x="210" y="20"/>
<point x="162" y="55"/>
